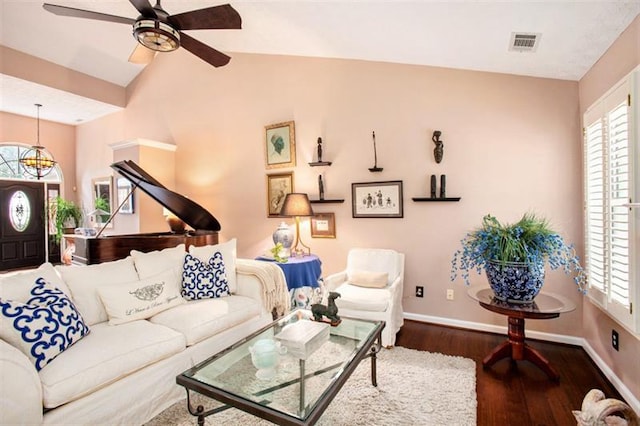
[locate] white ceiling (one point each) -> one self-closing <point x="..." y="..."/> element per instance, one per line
<point x="464" y="34"/>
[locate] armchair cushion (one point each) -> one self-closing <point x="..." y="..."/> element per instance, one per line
<point x="368" y="279"/>
<point x="362" y="298"/>
<point x="374" y="260"/>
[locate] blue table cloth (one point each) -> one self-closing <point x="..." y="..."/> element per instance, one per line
<point x="304" y="279"/>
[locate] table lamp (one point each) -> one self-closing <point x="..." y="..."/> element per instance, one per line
<point x="297" y="205"/>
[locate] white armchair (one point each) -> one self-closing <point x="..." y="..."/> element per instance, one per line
<point x="371" y="288"/>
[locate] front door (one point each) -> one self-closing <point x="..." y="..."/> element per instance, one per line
<point x="22" y="233"/>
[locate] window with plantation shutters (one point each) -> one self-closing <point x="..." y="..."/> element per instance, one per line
<point x="610" y="180"/>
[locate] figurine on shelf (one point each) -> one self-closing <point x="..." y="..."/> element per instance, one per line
<point x="438" y="151"/>
<point x="433" y="186"/>
<point x="319" y="150"/>
<point x="443" y="186"/>
<point x="321" y="187"/>
<point x="320" y="311"/>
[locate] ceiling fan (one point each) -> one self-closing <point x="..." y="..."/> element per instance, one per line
<point x="157" y="31"/>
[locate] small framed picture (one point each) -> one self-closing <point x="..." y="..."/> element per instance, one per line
<point x="377" y="199"/>
<point x="125" y="195"/>
<point x="280" y="145"/>
<point x="323" y="225"/>
<point x="278" y="186"/>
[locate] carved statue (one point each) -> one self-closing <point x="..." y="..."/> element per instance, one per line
<point x="319" y="150"/>
<point x="443" y="186"/>
<point x="598" y="411"/>
<point x="330" y="311"/>
<point x="438" y="151"/>
<point x="433" y="186"/>
<point x="321" y="187"/>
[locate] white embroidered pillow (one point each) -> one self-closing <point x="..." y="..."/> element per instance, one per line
<point x="204" y="280"/>
<point x="140" y="299"/>
<point x="43" y="327"/>
<point x="368" y="279"/>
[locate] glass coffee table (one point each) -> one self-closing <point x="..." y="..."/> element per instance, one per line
<point x="302" y="384"/>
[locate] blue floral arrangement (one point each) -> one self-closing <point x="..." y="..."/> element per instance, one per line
<point x="530" y="240"/>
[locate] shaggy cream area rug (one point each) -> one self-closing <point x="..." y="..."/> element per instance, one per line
<point x="414" y="388"/>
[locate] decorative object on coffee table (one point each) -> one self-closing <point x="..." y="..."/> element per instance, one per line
<point x="330" y="311"/>
<point x="375" y="167"/>
<point x="438" y="151"/>
<point x="513" y="257"/>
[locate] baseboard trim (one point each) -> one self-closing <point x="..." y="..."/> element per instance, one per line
<point x="628" y="396"/>
<point x="498" y="329"/>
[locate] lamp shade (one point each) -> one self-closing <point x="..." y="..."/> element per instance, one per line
<point x="296" y="204"/>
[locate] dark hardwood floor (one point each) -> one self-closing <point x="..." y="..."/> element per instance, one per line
<point x="515" y="393"/>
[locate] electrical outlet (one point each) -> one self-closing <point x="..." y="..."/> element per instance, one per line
<point x="419" y="291"/>
<point x="615" y="340"/>
<point x="449" y="294"/>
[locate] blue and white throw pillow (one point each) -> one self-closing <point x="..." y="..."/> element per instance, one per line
<point x="202" y="280"/>
<point x="43" y="327"/>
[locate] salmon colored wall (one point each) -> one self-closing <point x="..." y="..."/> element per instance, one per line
<point x="58" y="139"/>
<point x="621" y="58"/>
<point x="511" y="145"/>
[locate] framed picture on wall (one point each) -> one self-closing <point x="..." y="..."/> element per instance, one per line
<point x="125" y="196"/>
<point x="278" y="186"/>
<point x="323" y="225"/>
<point x="280" y="145"/>
<point x="377" y="199"/>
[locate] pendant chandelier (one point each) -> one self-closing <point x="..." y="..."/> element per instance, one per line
<point x="36" y="161"/>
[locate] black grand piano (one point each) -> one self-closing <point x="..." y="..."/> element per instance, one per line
<point x="90" y="250"/>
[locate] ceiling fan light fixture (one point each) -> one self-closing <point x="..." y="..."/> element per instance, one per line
<point x="156" y="35"/>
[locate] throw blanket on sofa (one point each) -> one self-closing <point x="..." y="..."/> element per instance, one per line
<point x="274" y="285"/>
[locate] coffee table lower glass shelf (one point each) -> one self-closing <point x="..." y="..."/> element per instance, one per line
<point x="299" y="390"/>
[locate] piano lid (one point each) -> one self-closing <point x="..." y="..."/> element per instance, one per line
<point x="191" y="213"/>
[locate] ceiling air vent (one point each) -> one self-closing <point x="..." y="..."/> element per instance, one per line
<point x="524" y="42"/>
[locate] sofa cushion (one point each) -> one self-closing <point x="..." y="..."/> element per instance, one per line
<point x="43" y="327"/>
<point x="199" y="319"/>
<point x="84" y="281"/>
<point x="140" y="299"/>
<point x="105" y="356"/>
<point x="204" y="280"/>
<point x="368" y="278"/>
<point x="17" y="286"/>
<point x="153" y="262"/>
<point x="362" y="298"/>
<point x="228" y="251"/>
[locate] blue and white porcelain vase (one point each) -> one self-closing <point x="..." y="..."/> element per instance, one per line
<point x="515" y="282"/>
<point x="284" y="235"/>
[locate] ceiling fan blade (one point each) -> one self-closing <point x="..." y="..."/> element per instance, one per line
<point x="211" y="18"/>
<point x="80" y="13"/>
<point x="144" y="7"/>
<point x="204" y="52"/>
<point x="141" y="55"/>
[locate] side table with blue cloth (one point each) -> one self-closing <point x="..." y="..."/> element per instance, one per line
<point x="304" y="279"/>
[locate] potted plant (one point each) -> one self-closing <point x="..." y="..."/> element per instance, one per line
<point x="513" y="257"/>
<point x="65" y="214"/>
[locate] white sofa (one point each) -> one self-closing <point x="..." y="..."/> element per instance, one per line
<point x="126" y="373"/>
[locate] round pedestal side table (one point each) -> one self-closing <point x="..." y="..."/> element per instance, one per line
<point x="544" y="306"/>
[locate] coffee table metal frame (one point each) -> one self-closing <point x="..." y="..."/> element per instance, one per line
<point x="369" y="349"/>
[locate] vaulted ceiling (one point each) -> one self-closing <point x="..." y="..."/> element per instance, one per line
<point x="466" y="34"/>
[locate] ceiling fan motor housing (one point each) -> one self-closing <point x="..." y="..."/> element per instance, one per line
<point x="156" y="35"/>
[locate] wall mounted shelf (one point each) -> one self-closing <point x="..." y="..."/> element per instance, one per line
<point x="417" y="199"/>
<point x="320" y="163"/>
<point x="337" y="200"/>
